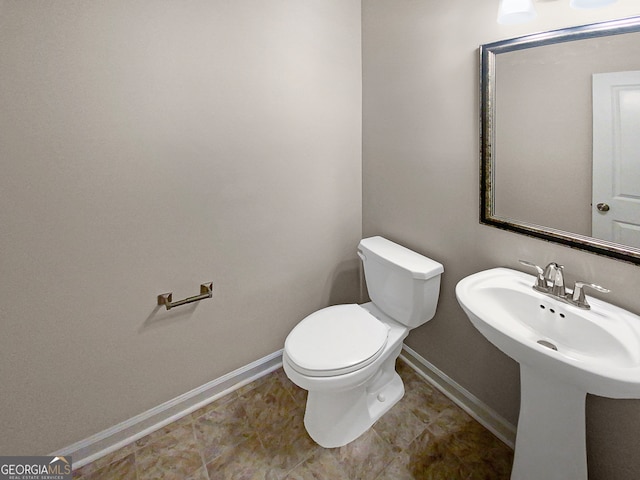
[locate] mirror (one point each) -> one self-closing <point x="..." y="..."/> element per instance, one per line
<point x="560" y="137"/>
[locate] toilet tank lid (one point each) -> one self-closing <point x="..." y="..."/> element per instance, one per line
<point x="386" y="250"/>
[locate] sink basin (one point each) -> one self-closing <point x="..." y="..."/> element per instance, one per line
<point x="598" y="350"/>
<point x="564" y="353"/>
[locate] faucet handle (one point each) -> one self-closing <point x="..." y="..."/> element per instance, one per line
<point x="541" y="281"/>
<point x="579" y="299"/>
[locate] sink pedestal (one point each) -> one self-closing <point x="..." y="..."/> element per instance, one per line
<point x="564" y="353"/>
<point x="551" y="439"/>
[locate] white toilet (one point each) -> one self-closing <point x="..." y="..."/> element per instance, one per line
<point x="345" y="355"/>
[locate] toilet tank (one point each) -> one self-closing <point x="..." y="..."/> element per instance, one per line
<point x="402" y="283"/>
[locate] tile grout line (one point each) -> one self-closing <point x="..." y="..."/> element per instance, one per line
<point x="290" y="394"/>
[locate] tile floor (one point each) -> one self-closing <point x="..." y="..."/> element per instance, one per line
<point x="257" y="432"/>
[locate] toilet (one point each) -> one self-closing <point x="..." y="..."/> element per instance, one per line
<point x="345" y="355"/>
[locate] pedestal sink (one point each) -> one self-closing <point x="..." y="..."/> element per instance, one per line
<point x="564" y="353"/>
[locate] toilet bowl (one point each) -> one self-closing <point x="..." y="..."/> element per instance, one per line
<point x="345" y="355"/>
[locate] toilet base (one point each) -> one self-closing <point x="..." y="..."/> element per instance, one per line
<point x="334" y="419"/>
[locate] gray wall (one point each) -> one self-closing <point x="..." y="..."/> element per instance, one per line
<point x="420" y="188"/>
<point x="149" y="146"/>
<point x="550" y="129"/>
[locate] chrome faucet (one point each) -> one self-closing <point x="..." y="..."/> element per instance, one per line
<point x="550" y="281"/>
<point x="556" y="279"/>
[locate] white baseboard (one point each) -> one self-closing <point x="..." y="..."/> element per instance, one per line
<point x="109" y="440"/>
<point x="471" y="404"/>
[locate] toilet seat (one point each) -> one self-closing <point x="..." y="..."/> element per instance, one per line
<point x="336" y="340"/>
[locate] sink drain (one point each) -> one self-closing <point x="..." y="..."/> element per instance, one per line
<point x="550" y="345"/>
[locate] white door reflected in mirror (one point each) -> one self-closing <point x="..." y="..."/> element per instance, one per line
<point x="616" y="157"/>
